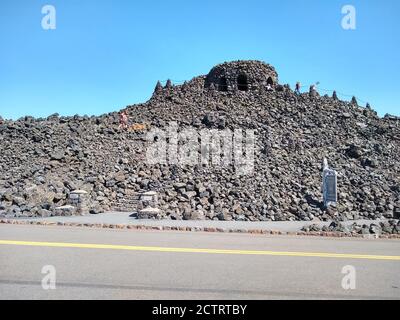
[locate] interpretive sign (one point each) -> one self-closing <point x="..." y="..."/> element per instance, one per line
<point x="329" y="185"/>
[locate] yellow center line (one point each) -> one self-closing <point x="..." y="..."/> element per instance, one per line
<point x="197" y="250"/>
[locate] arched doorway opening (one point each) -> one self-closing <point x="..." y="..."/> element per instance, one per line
<point x="223" y="84"/>
<point x="270" y="81"/>
<point x="242" y="82"/>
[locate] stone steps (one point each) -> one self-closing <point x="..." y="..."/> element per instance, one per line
<point x="126" y="204"/>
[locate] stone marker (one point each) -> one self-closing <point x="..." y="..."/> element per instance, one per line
<point x="147" y="206"/>
<point x="148" y="199"/>
<point x="79" y="199"/>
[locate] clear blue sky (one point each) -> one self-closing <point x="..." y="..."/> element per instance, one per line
<point x="104" y="55"/>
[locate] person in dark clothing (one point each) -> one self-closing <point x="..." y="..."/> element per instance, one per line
<point x="297" y="90"/>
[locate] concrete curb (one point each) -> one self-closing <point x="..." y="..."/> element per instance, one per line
<point x="330" y="234"/>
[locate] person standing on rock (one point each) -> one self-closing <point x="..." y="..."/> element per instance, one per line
<point x="313" y="89"/>
<point x="123" y="120"/>
<point x="297" y="90"/>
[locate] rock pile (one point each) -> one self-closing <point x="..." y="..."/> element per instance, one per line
<point x="384" y="227"/>
<point x="44" y="160"/>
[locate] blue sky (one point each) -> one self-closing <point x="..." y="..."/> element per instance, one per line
<point x="104" y="55"/>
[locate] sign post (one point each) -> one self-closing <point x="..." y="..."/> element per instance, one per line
<point x="329" y="185"/>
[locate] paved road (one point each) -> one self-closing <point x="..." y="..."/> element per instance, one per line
<point x="127" y="264"/>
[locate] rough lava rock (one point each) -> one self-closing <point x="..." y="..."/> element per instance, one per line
<point x="43" y="160"/>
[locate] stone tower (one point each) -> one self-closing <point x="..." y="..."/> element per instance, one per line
<point x="241" y="76"/>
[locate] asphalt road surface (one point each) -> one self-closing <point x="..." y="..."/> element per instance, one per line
<point x="128" y="264"/>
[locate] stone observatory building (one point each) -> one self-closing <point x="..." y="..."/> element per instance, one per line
<point x="241" y="76"/>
